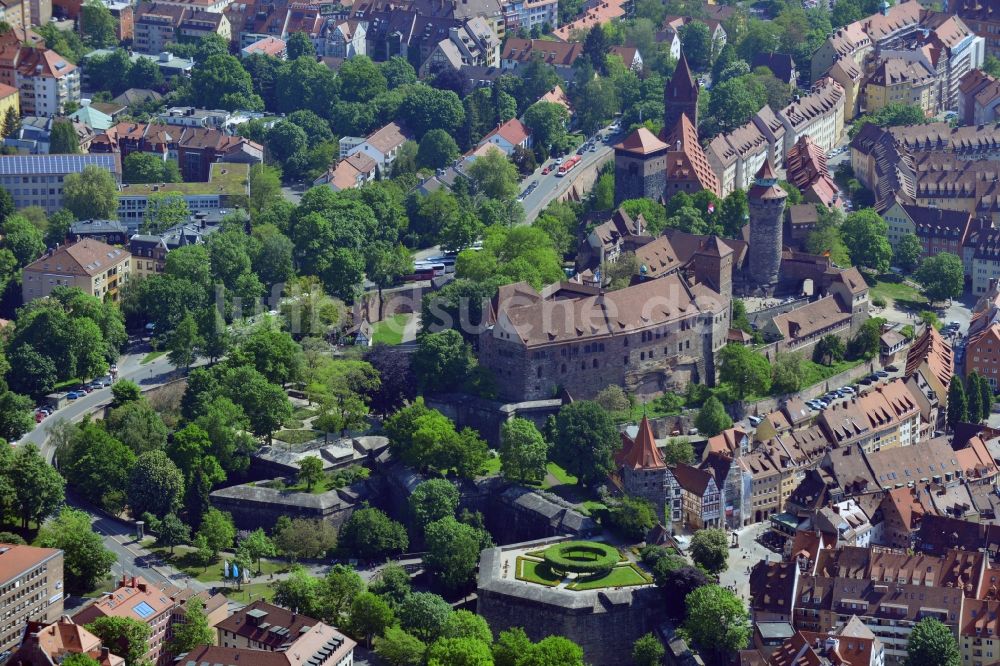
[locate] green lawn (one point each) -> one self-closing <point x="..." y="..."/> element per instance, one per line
<point x="297" y="436"/>
<point x="534" y="571"/>
<point x="151" y="356"/>
<point x="561" y="475"/>
<point x="390" y="331"/>
<point x="590" y="506"/>
<point x="492" y="466"/>
<point x="303" y="413"/>
<point x="814" y="373"/>
<point x="184" y="559"/>
<point x="65" y="384"/>
<point x="902" y="294"/>
<point x="249" y="593"/>
<point x="621" y="576"/>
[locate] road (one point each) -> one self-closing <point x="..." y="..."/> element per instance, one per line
<point x="130" y="366"/>
<point x="551" y="186"/>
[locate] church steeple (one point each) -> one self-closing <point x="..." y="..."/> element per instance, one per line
<point x="680" y="96"/>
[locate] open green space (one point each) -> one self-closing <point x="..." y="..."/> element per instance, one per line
<point x="902" y="294"/>
<point x="390" y="331"/>
<point x="66" y="384"/>
<point x="561" y="475"/>
<point x="814" y="373"/>
<point x="151" y="356"/>
<point x="624" y="575"/>
<point x="185" y="559"/>
<point x="249" y="592"/>
<point x="534" y="571"/>
<point x="582" y="557"/>
<point x="333" y="479"/>
<point x="297" y="436"/>
<point x="303" y="413"/>
<point x="590" y="506"/>
<point x="492" y="466"/>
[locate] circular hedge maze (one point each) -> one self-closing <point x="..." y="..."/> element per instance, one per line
<point x="581" y="557"/>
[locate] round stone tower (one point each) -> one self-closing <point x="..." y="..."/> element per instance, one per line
<point x="767" y="207"/>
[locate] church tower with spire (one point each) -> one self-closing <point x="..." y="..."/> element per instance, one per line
<point x="680" y="97"/>
<point x="645" y="474"/>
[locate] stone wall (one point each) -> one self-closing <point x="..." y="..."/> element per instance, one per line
<point x="639" y="176"/>
<point x="487" y="416"/>
<point x="605" y="623"/>
<point x="765" y="241"/>
<point x="767" y="405"/>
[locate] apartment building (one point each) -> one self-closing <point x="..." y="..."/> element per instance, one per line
<point x="899" y="81"/>
<point x="37" y="180"/>
<point x="31" y="590"/>
<point x="262" y="628"/>
<point x="527" y="14"/>
<point x="228" y="187"/>
<point x="46" y="82"/>
<point x="382" y="145"/>
<point x="806" y="168"/>
<point x="983" y="16"/>
<point x="46" y="644"/>
<point x="938" y="230"/>
<point x="345" y="39"/>
<point x="820" y="114"/>
<point x="979" y="98"/>
<point x="883" y="418"/>
<point x="519" y="52"/>
<point x="97" y="268"/>
<point x="472" y="42"/>
<point x="856" y="40"/>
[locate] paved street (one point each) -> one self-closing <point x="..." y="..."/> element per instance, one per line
<point x="551" y="186"/>
<point x="745" y="557"/>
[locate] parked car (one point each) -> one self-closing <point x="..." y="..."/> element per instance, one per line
<point x="73" y="395"/>
<point x="882" y="373"/>
<point x="546" y="170"/>
<point x="892" y="368"/>
<point x="847" y="389"/>
<point x="559" y="160"/>
<point x="755" y="420"/>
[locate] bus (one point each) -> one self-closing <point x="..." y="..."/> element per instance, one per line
<point x="425" y="270"/>
<point x="568" y="165"/>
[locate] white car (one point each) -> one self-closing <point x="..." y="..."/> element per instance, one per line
<point x="755" y="420"/>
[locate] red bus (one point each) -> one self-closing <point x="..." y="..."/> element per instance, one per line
<point x="568" y="165"/>
<point x="425" y="271"/>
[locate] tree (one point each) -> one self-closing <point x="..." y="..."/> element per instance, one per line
<point x="908" y="252"/>
<point x="155" y="485"/>
<point x="678" y="582"/>
<point x="442" y="361"/>
<point x="370" y="534"/>
<point x="387" y="263"/>
<point x="140" y="167"/>
<point x="678" y="450"/>
<point x="697" y="44"/>
<point x="554" y="651"/>
<point x="258" y="545"/>
<point x="86" y="562"/>
<point x="942" y="276"/>
<point x="585" y="440"/>
<point x="523" y="451"/>
<point x="218" y="530"/>
<point x="398" y="648"/>
<point x="829" y="350"/>
<point x="958" y="404"/>
<point x="712" y="418"/>
<point x="97" y="465"/>
<point x="424" y="614"/>
<point x="437" y="150"/>
<point x="787" y="374"/>
<point x="172" y="532"/>
<point x="932" y="642"/>
<point x="299" y="45"/>
<point x="974" y="397"/>
<point x="63" y="139"/>
<point x="39" y="490"/>
<point x="97" y="25"/>
<point x="547" y="122"/>
<point x="710" y="549"/>
<point x="301" y="537"/>
<point x="453" y="550"/>
<point x="91" y="194"/>
<point x="194" y="630"/>
<point x="464" y="624"/>
<point x="79" y="659"/>
<point x="511" y="646"/>
<point x="370" y="616"/>
<point x="310" y="471"/>
<point x="735" y="100"/>
<point x="746" y="370"/>
<point x="648" y="651"/>
<point x="392" y="583"/>
<point x="433" y="500"/>
<point x="494" y="176"/>
<point x="11" y="123"/>
<point x="866" y="236"/>
<point x="459" y="652"/>
<point x="865" y="343"/>
<point x="986" y="396"/>
<point x="716" y="620"/>
<point x="221" y="82"/>
<point x="425" y="108"/>
<point x="632" y="517"/>
<point x="16" y="416"/>
<point x="182" y="343"/>
<point x="124" y="637"/>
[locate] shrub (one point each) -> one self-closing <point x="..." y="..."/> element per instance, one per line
<point x="586" y="557"/>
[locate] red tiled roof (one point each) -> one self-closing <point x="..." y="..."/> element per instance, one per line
<point x="643" y="453"/>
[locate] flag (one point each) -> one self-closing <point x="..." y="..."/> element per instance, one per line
<point x="225" y="569"/>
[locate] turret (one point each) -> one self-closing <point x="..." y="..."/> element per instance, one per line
<point x="767" y="207"/>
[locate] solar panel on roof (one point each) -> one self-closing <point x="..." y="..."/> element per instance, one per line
<point x="31" y="165"/>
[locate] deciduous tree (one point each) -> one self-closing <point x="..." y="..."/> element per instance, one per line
<point x="124" y="637"/>
<point x="717" y="620"/>
<point x="931" y="642"/>
<point x="523" y="451"/>
<point x="584" y="441"/>
<point x="942" y="276"/>
<point x="370" y="534"/>
<point x="91" y="194"/>
<point x="86" y="562"/>
<point x="712" y="418"/>
<point x="710" y="549"/>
